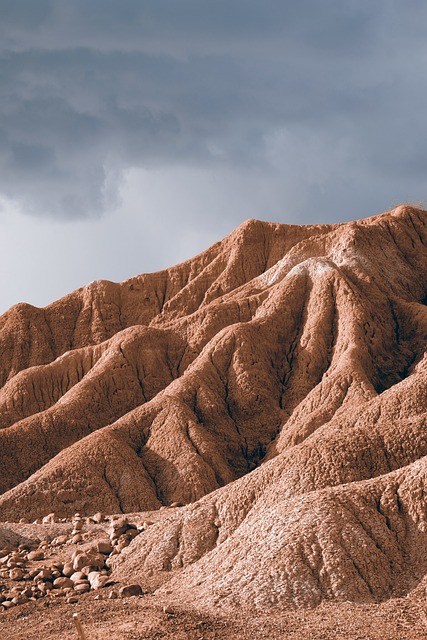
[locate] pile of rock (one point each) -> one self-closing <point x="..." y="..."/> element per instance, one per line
<point x="86" y="570"/>
<point x="122" y="532"/>
<point x="28" y="575"/>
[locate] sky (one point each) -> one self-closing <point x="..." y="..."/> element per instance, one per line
<point x="136" y="133"/>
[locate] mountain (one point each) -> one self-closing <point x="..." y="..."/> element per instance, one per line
<point x="268" y="395"/>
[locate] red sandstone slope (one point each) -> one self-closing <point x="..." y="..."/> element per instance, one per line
<point x="275" y="384"/>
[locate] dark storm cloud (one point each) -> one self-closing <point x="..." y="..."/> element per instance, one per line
<point x="326" y="97"/>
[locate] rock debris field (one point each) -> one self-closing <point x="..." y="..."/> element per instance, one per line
<point x="234" y="447"/>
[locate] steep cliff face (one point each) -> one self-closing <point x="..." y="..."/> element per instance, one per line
<point x="275" y="384"/>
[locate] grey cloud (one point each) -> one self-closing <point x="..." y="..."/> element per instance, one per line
<point x="192" y="25"/>
<point x="320" y="98"/>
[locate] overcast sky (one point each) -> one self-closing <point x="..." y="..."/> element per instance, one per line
<point x="135" y="133"/>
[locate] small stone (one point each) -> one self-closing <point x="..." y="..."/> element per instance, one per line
<point x="45" y="575"/>
<point x="98" y="517"/>
<point x="63" y="583"/>
<point x="16" y="574"/>
<point x="119" y="526"/>
<point x="114" y="536"/>
<point x="44" y="544"/>
<point x="68" y="569"/>
<point x="33" y="573"/>
<point x="81" y="559"/>
<point x="49" y="519"/>
<point x="77" y="538"/>
<point x="97" y="580"/>
<point x="132" y="533"/>
<point x="113" y="595"/>
<point x="82" y="587"/>
<point x="104" y="547"/>
<point x="78" y="575"/>
<point x="59" y="540"/>
<point x="8" y="604"/>
<point x="44" y="587"/>
<point x="35" y="555"/>
<point x="122" y="544"/>
<point x="130" y="590"/>
<point x="14" y="557"/>
<point x="72" y="600"/>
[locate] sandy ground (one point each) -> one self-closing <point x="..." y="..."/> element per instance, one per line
<point x="140" y="618"/>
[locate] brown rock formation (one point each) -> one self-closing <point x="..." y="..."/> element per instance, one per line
<point x="275" y="385"/>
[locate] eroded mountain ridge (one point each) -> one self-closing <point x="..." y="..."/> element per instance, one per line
<point x="275" y="385"/>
